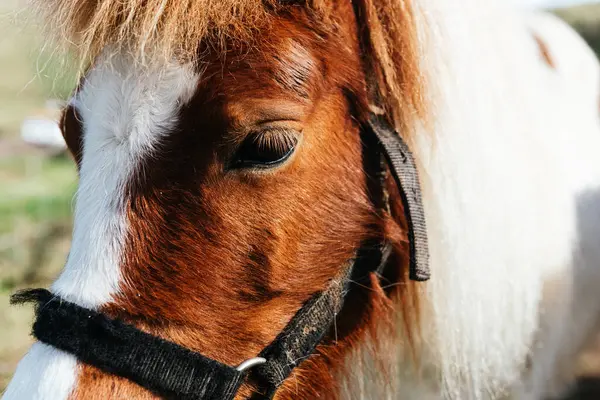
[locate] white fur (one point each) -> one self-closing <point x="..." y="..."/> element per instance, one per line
<point x="44" y="373"/>
<point x="513" y="157"/>
<point x="575" y="61"/>
<point x="125" y="111"/>
<point x="511" y="185"/>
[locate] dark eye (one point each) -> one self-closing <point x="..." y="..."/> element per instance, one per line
<point x="265" y="149"/>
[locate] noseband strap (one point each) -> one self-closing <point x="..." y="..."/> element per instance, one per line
<point x="173" y="371"/>
<point x="115" y="347"/>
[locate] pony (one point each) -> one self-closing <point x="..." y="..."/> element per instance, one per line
<point x="222" y="183"/>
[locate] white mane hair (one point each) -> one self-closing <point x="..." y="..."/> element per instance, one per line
<point x="511" y="185"/>
<point x="510" y="174"/>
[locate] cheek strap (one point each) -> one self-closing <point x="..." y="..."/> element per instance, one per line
<point x="172" y="371"/>
<point x="404" y="170"/>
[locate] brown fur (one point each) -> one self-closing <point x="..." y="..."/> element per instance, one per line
<point x="219" y="260"/>
<point x="173" y="28"/>
<point x="391" y="44"/>
<point x="545" y="51"/>
<point x="70" y="126"/>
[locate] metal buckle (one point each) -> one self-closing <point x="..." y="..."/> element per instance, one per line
<point x="252" y="362"/>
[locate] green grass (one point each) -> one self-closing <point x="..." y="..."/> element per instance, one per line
<point x="37" y="201"/>
<point x="36" y="189"/>
<point x="38" y="195"/>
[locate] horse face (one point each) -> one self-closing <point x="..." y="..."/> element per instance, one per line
<point x="216" y="197"/>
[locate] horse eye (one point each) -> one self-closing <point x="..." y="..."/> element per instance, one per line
<point x="265" y="149"/>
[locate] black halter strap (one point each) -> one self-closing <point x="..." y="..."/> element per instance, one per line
<point x="173" y="371"/>
<point x="404" y="170"/>
<point x="163" y="367"/>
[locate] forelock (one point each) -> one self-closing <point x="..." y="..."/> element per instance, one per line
<point x="152" y="28"/>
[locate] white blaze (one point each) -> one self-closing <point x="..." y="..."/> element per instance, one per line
<point x="125" y="112"/>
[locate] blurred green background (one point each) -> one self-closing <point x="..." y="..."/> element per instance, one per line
<point x="37" y="186"/>
<point x="586" y="19"/>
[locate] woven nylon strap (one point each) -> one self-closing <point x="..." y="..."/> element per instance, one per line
<point x="300" y="337"/>
<point x="305" y="331"/>
<point x="404" y="169"/>
<point x="173" y="371"/>
<point x="163" y="367"/>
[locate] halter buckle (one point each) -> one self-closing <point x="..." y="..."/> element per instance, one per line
<point x="252" y="362"/>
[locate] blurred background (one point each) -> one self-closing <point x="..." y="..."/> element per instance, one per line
<point x="38" y="179"/>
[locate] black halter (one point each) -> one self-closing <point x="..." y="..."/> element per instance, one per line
<point x="173" y="371"/>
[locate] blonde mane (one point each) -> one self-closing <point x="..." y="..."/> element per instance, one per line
<point x="173" y="29"/>
<point x="168" y="28"/>
<point x="507" y="155"/>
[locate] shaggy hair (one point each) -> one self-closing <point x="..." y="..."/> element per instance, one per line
<point x="168" y="27"/>
<point x="393" y="51"/>
<point x="174" y="29"/>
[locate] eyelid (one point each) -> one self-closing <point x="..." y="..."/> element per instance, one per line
<point x="238" y="134"/>
<point x="281" y="138"/>
<point x="275" y="135"/>
<point x="278" y="123"/>
<point x="284" y="126"/>
<point x="255" y="111"/>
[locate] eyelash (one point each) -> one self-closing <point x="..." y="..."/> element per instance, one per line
<point x="265" y="149"/>
<point x="276" y="139"/>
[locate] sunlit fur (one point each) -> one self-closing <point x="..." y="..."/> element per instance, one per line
<point x="508" y="178"/>
<point x="164" y="28"/>
<point x="170" y="29"/>
<point x="507" y="152"/>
